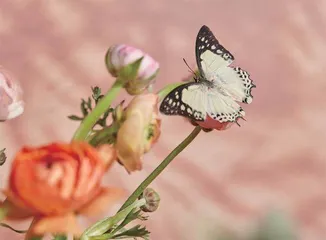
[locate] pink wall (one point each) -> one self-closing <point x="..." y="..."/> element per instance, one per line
<point x="276" y="159"/>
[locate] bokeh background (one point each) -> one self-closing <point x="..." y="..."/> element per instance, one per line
<point x="277" y="159"/>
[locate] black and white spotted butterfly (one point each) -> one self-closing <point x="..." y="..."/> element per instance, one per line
<point x="217" y="88"/>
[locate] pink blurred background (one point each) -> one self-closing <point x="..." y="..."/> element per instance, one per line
<point x="275" y="160"/>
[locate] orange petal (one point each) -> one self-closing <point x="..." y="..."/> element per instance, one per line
<point x="56" y="224"/>
<point x="130" y="142"/>
<point x="101" y="203"/>
<point x="15" y="209"/>
<point x="108" y="154"/>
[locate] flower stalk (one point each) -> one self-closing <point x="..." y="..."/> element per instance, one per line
<point x="133" y="197"/>
<point x="87" y="124"/>
<point x="97" y="230"/>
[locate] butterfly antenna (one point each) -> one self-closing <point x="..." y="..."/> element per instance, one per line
<point x="192" y="71"/>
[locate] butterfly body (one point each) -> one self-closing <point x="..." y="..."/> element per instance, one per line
<point x="217" y="89"/>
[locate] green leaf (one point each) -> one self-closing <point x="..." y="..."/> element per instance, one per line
<point x="37" y="238"/>
<point x="275" y="226"/>
<point x="60" y="237"/>
<point x="89" y="103"/>
<point x="105" y="135"/>
<point x="75" y="118"/>
<point x="133" y="215"/>
<point x="96" y="93"/>
<point x="83" y="108"/>
<point x="11" y="228"/>
<point x="130" y="71"/>
<point x="3" y="212"/>
<point x="136" y="231"/>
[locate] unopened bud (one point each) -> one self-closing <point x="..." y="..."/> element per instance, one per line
<point x="3" y="156"/>
<point x="152" y="200"/>
<point x="134" y="68"/>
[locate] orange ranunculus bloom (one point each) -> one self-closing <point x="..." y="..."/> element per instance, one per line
<point x="54" y="182"/>
<point x="139" y="131"/>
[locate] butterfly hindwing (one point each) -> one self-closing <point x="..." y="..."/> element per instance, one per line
<point x="187" y="100"/>
<point x="223" y="108"/>
<point x="238" y="84"/>
<point x="210" y="54"/>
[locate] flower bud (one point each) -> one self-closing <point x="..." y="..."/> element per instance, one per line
<point x="11" y="103"/>
<point x="139" y="131"/>
<point x="152" y="200"/>
<point x="3" y="156"/>
<point x="132" y="66"/>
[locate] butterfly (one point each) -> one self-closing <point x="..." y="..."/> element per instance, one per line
<point x="216" y="90"/>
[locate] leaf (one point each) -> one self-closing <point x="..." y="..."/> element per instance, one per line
<point x="136" y="231"/>
<point x="89" y="103"/>
<point x="274" y="226"/>
<point x="36" y="238"/>
<point x="130" y="71"/>
<point x="60" y="237"/>
<point x="75" y="118"/>
<point x="96" y="93"/>
<point x="133" y="215"/>
<point x="83" y="108"/>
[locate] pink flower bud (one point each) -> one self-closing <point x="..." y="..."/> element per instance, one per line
<point x="11" y="102"/>
<point x="140" y="76"/>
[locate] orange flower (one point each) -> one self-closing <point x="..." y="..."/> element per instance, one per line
<point x="54" y="182"/>
<point x="139" y="131"/>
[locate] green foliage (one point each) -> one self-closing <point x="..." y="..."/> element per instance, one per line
<point x="130" y="71"/>
<point x="136" y="232"/>
<point x="87" y="106"/>
<point x="60" y="237"/>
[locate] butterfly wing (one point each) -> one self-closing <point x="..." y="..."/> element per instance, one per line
<point x="188" y="100"/>
<point x="210" y="54"/>
<point x="195" y="100"/>
<point x="237" y="84"/>
<point x="223" y="108"/>
<point x="213" y="61"/>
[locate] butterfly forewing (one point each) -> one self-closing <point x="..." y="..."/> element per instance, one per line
<point x="210" y="54"/>
<point x="187" y="100"/>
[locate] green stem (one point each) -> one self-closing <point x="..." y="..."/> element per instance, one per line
<point x="90" y="120"/>
<point x="104" y="135"/>
<point x="133" y="197"/>
<point x="104" y="225"/>
<point x="29" y="235"/>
